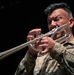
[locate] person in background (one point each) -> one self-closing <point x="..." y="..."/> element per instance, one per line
<point x="56" y="58"/>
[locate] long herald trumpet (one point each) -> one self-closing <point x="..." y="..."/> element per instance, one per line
<point x="19" y="47"/>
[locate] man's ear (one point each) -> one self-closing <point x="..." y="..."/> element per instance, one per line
<point x="71" y="22"/>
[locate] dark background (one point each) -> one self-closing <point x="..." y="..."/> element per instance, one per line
<point x="17" y="17"/>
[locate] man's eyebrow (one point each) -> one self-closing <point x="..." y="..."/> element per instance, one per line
<point x="58" y="15"/>
<point x="54" y="17"/>
<point x="51" y="18"/>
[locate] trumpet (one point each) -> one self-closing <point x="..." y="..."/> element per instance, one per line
<point x="20" y="47"/>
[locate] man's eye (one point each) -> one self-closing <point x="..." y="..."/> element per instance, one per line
<point x="56" y="19"/>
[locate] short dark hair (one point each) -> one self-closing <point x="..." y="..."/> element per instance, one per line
<point x="54" y="6"/>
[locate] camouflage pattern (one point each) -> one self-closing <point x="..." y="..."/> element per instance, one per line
<point x="49" y="64"/>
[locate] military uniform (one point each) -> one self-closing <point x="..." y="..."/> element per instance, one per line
<point x="59" y="62"/>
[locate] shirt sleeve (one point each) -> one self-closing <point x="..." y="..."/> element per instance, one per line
<point x="65" y="56"/>
<point x="59" y="49"/>
<point x="26" y="65"/>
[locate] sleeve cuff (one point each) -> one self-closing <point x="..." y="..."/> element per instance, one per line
<point x="57" y="50"/>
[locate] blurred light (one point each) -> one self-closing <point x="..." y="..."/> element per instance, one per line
<point x="2" y="7"/>
<point x="17" y="2"/>
<point x="10" y="4"/>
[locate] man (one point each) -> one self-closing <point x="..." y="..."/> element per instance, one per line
<point x="56" y="58"/>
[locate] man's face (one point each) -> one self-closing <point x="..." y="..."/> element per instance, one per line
<point x="57" y="18"/>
